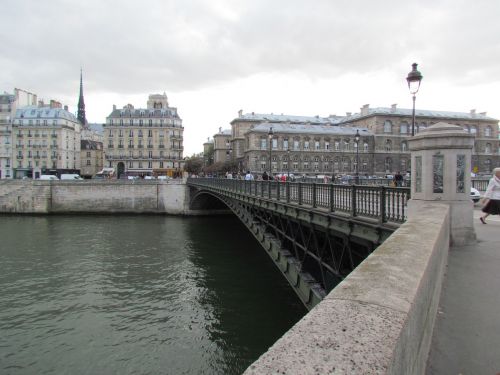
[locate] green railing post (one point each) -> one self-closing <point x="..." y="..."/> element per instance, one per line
<point x="331" y="199"/>
<point x="382" y="206"/>
<point x="353" y="200"/>
<point x="314" y="203"/>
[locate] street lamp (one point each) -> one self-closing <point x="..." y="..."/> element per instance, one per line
<point x="414" y="78"/>
<point x="356" y="139"/>
<point x="270" y="136"/>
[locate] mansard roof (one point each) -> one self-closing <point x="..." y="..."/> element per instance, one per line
<point x="286" y="118"/>
<point x="90" y="145"/>
<point x="310" y="129"/>
<point x="169" y="112"/>
<point x="406" y="112"/>
<point x="34" y="112"/>
<point x="7" y="98"/>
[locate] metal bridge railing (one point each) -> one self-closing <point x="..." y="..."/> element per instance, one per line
<point x="378" y="202"/>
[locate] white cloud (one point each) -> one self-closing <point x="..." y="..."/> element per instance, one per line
<point x="215" y="57"/>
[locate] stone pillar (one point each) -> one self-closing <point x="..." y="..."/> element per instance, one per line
<point x="441" y="172"/>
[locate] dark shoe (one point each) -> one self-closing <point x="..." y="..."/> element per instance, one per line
<point x="482" y="220"/>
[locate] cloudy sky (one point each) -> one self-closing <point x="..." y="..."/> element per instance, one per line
<point x="215" y="57"/>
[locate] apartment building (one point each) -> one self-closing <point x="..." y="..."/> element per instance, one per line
<point x="144" y="141"/>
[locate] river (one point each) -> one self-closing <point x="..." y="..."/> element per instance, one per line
<point x="137" y="295"/>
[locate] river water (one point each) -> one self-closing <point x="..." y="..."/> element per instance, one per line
<point x="136" y="295"/>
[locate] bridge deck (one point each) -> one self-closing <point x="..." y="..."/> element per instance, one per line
<point x="467" y="335"/>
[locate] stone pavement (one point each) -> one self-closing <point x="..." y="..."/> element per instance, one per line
<point x="466" y="336"/>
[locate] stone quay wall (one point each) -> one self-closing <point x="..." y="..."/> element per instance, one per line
<point x="59" y="197"/>
<point x="379" y="320"/>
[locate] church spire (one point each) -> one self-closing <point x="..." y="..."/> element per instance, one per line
<point x="81" y="104"/>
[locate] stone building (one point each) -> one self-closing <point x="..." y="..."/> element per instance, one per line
<point x="8" y="105"/>
<point x="391" y="128"/>
<point x="327" y="145"/>
<point x="222" y="146"/>
<point x="307" y="149"/>
<point x="144" y="141"/>
<point x="91" y="158"/>
<point x="46" y="139"/>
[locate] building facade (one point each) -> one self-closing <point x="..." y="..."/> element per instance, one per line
<point x="316" y="145"/>
<point x="144" y="141"/>
<point x="92" y="156"/>
<point x="222" y="146"/>
<point x="8" y="105"/>
<point x="46" y="140"/>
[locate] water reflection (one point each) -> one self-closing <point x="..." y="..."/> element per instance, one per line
<point x="136" y="295"/>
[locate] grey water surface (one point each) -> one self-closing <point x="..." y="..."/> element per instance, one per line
<point x="136" y="295"/>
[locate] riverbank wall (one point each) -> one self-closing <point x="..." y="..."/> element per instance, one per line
<point x="99" y="197"/>
<point x="380" y="319"/>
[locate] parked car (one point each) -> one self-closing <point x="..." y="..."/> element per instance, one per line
<point x="475" y="195"/>
<point x="71" y="176"/>
<point x="48" y="177"/>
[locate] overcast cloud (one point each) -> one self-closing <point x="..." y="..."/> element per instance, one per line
<point x="214" y="57"/>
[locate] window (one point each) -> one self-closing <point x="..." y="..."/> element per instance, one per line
<point x="296" y="145"/>
<point x="387" y="126"/>
<point x="306" y="145"/>
<point x="473" y="129"/>
<point x="365" y="147"/>
<point x="388" y="165"/>
<point x="110" y="134"/>
<point x="131" y="164"/>
<point x="316" y="145"/>
<point x="285" y="144"/>
<point x="346" y="145"/>
<point x="337" y="145"/>
<point x="120" y="133"/>
<point x="487" y="148"/>
<point x="487" y="131"/>
<point x="274" y="143"/>
<point x="327" y="145"/>
<point x="403" y="128"/>
<point x="88" y="162"/>
<point x="263" y="144"/>
<point x="388" y="145"/>
<point x="404" y="146"/>
<point x="150" y="133"/>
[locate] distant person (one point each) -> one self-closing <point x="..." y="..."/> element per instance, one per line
<point x="265" y="176"/>
<point x="398" y="179"/>
<point x="283" y="177"/>
<point x="491" y="197"/>
<point x="248" y="176"/>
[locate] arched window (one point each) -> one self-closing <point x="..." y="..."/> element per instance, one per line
<point x="473" y="129"/>
<point x="387" y="126"/>
<point x="365" y="147"/>
<point x="346" y="145"/>
<point x="388" y="145"/>
<point x="487" y="148"/>
<point x="403" y="128"/>
<point x="404" y="146"/>
<point x="487" y="131"/>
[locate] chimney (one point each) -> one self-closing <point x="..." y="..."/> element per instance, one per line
<point x="364" y="109"/>
<point x="114" y="107"/>
<point x="473" y="113"/>
<point x="240" y="113"/>
<point x="220" y="129"/>
<point x="393" y="107"/>
<point x="66" y="108"/>
<point x="348" y="114"/>
<point x="482" y="113"/>
<point x="41" y="103"/>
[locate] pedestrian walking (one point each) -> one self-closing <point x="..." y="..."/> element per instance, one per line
<point x="249" y="176"/>
<point x="491" y="197"/>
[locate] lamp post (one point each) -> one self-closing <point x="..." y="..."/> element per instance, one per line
<point x="356" y="139"/>
<point x="270" y="136"/>
<point x="414" y="78"/>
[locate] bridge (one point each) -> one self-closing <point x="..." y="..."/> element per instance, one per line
<point x="315" y="233"/>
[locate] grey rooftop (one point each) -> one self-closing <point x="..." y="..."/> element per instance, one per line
<point x="34" y="112"/>
<point x="310" y="129"/>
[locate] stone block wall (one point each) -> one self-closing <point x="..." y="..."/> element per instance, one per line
<point x="42" y="197"/>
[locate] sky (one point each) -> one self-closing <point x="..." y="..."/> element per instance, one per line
<point x="215" y="57"/>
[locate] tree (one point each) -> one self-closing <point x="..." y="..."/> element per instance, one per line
<point x="193" y="164"/>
